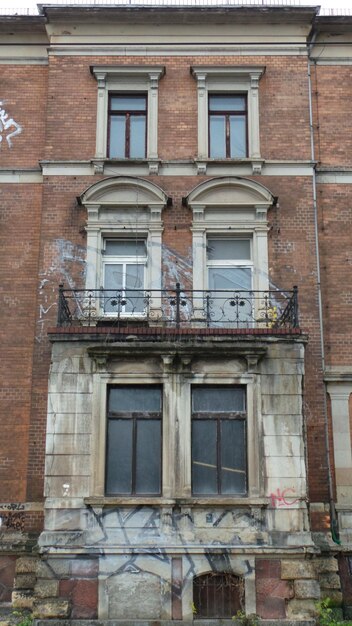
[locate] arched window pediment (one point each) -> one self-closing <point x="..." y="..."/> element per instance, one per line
<point x="124" y="191"/>
<point x="230" y="192"/>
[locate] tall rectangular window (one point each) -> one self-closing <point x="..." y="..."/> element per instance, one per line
<point x="133" y="457"/>
<point x="230" y="269"/>
<point x="219" y="440"/>
<point x="127" y="126"/>
<point x="124" y="262"/>
<point x="227" y="126"/>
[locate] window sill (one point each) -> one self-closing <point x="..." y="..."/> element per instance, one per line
<point x="150" y="166"/>
<point x="213" y="501"/>
<point x="204" y="164"/>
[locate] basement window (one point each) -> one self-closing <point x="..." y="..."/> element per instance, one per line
<point x="217" y="595"/>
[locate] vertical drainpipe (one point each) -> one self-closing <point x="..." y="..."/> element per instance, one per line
<point x="333" y="516"/>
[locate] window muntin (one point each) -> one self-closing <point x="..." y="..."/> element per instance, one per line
<point x="219" y="448"/>
<point x="227" y="126"/>
<point x="133" y="457"/>
<point x="127" y="126"/>
<point x="124" y="262"/>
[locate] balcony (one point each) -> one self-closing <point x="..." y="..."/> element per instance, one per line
<point x="179" y="308"/>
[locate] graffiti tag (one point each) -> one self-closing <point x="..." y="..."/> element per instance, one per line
<point x="6" y="124"/>
<point x="283" y="498"/>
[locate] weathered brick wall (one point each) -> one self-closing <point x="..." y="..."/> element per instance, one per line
<point x="331" y="106"/>
<point x="23" y="97"/>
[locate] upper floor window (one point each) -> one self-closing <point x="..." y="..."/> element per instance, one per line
<point x="229" y="263"/>
<point x="219" y="442"/>
<point x="124" y="262"/>
<point x="228" y="113"/>
<point x="133" y="458"/>
<point x="227" y="126"/>
<point x="127" y="112"/>
<point x="127" y="126"/>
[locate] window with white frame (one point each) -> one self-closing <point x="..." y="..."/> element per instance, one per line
<point x="127" y="111"/>
<point x="124" y="273"/>
<point x="230" y="234"/>
<point x="230" y="278"/>
<point x="228" y="112"/>
<point x="124" y="230"/>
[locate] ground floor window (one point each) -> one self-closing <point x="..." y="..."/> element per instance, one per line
<point x="219" y="441"/>
<point x="133" y="458"/>
<point x="217" y="595"/>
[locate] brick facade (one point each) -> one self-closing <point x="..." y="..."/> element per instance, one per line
<point x="43" y="176"/>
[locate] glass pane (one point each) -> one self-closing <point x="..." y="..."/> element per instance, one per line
<point x="218" y="399"/>
<point x="217" y="136"/>
<point x="137" y="136"/>
<point x="117" y="139"/>
<point x="227" y="103"/>
<point x="238" y="139"/>
<point x="128" y="103"/>
<point x="204" y="460"/>
<point x="125" y="247"/>
<point x="233" y="456"/>
<point x="148" y="456"/>
<point x="134" y="280"/>
<point x="113" y="276"/>
<point x="234" y="278"/>
<point x="127" y="398"/>
<point x="119" y="457"/>
<point x="229" y="249"/>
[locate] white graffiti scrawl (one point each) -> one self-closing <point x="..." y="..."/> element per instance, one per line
<point x="6" y="124"/>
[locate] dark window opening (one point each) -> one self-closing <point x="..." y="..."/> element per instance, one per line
<point x="127" y="126"/>
<point x="228" y="126"/>
<point x="217" y="595"/>
<point x="219" y="440"/>
<point x="134" y="429"/>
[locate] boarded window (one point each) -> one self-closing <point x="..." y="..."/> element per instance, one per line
<point x="217" y="595"/>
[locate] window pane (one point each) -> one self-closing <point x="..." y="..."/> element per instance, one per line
<point x="204" y="458"/>
<point x="218" y="399"/>
<point x="234" y="278"/>
<point x="128" y="103"/>
<point x="125" y="247"/>
<point x="113" y="276"/>
<point x="127" y="398"/>
<point x="238" y="139"/>
<point x="119" y="457"/>
<point x="217" y="132"/>
<point x="148" y="456"/>
<point x="134" y="280"/>
<point x="233" y="456"/>
<point x="227" y="103"/>
<point x="229" y="249"/>
<point x="137" y="136"/>
<point x="117" y="139"/>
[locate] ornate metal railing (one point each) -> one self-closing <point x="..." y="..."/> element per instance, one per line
<point x="179" y="307"/>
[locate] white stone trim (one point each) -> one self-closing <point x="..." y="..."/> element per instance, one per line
<point x="339" y="393"/>
<point x="228" y="79"/>
<point x="199" y="50"/>
<point x="125" y="79"/>
<point x="123" y="206"/>
<point x="20" y="176"/>
<point x="240" y="210"/>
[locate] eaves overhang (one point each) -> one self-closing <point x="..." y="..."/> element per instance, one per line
<point x="182" y="14"/>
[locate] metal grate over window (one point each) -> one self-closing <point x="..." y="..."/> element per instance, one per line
<point x="217" y="595"/>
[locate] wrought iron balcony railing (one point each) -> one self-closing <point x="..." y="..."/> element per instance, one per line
<point x="179" y="308"/>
